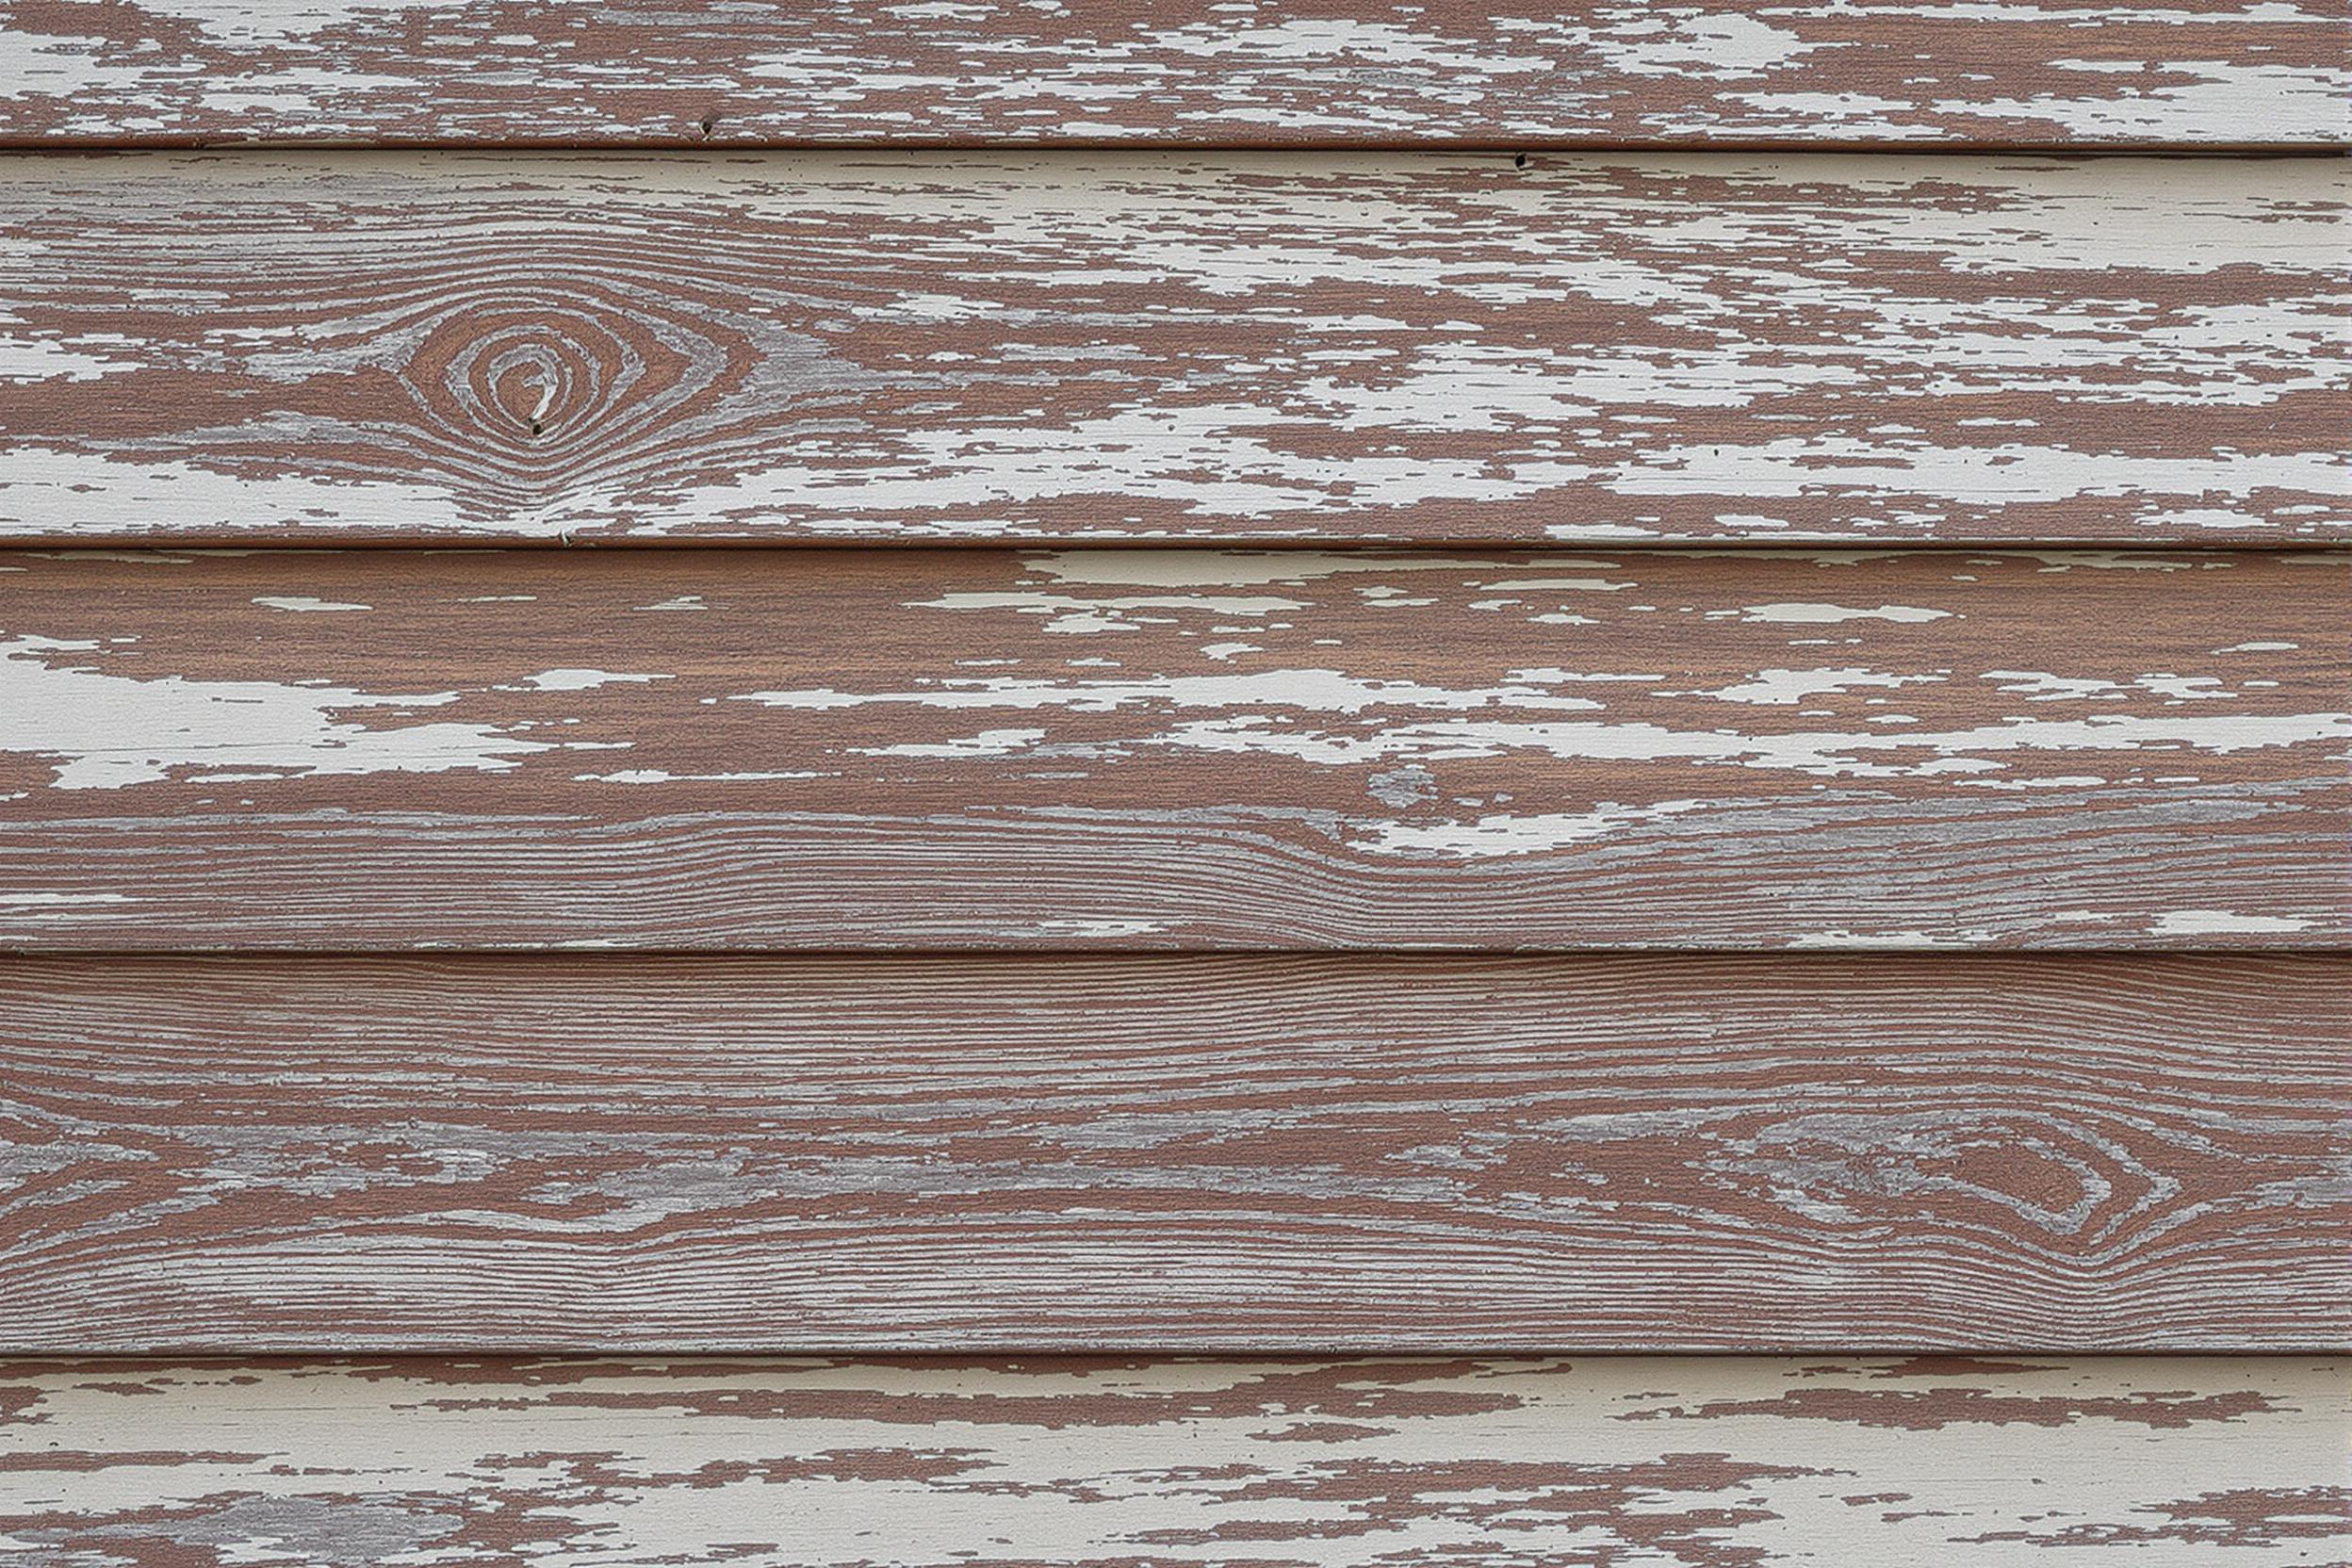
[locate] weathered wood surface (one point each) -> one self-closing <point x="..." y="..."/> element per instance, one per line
<point x="1176" y="1153"/>
<point x="1705" y="1463"/>
<point x="894" y="748"/>
<point x="854" y="346"/>
<point x="2056" y="71"/>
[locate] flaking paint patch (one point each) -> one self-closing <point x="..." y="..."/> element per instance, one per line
<point x="1504" y="834"/>
<point x="1072" y="616"/>
<point x="2217" y="922"/>
<point x="584" y="679"/>
<point x="303" y="603"/>
<point x="1784" y="687"/>
<point x="1097" y="1463"/>
<point x="1125" y="346"/>
<point x="1304" y="690"/>
<point x="1396" y="759"/>
<point x="106" y="732"/>
<point x="1834" y="614"/>
<point x="1824" y="753"/>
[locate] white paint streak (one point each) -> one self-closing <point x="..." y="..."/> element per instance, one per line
<point x="583" y="681"/>
<point x="1505" y="833"/>
<point x="1074" y="616"/>
<point x="1833" y="615"/>
<point x="1307" y="690"/>
<point x="2222" y="922"/>
<point x="1829" y="753"/>
<point x="1780" y="688"/>
<point x="304" y="604"/>
<point x="106" y="732"/>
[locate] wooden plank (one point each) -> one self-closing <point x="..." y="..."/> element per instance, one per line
<point x="1204" y="1152"/>
<point x="857" y="347"/>
<point x="1174" y="750"/>
<point x="1199" y="71"/>
<point x="1710" y="1462"/>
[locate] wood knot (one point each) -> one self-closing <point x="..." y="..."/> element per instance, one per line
<point x="541" y="385"/>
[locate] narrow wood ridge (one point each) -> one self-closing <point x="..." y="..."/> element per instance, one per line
<point x="877" y="347"/>
<point x="1903" y="74"/>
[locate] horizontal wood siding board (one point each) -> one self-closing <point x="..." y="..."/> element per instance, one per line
<point x="2185" y="72"/>
<point x="1707" y="1462"/>
<point x="1231" y="1152"/>
<point x="860" y="347"/>
<point x="1174" y="750"/>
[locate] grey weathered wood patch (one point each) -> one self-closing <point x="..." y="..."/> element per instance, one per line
<point x="1237" y="1152"/>
<point x="860" y="347"/>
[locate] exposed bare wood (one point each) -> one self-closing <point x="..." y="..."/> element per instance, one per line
<point x="1176" y="1153"/>
<point x="862" y="347"/>
<point x="1175" y="749"/>
<point x="1893" y="72"/>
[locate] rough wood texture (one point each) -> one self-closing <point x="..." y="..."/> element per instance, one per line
<point x="894" y="748"/>
<point x="1581" y="1154"/>
<point x="1902" y="72"/>
<point x="1700" y="1462"/>
<point x="854" y="346"/>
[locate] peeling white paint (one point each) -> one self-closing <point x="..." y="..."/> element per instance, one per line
<point x="304" y="604"/>
<point x="1833" y="615"/>
<point x="1784" y="687"/>
<point x="105" y="731"/>
<point x="1305" y="690"/>
<point x="1070" y="615"/>
<point x="2223" y="923"/>
<point x="1508" y="833"/>
<point x="583" y="681"/>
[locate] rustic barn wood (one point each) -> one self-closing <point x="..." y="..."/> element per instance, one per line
<point x="849" y="347"/>
<point x="1174" y="750"/>
<point x="1537" y="695"/>
<point x="1321" y="72"/>
<point x="1707" y="1462"/>
<point x="1161" y="1152"/>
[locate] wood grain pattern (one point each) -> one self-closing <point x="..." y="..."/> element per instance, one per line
<point x="1702" y="1463"/>
<point x="1173" y="1152"/>
<point x="1074" y="347"/>
<point x="1323" y="72"/>
<point x="1174" y="750"/>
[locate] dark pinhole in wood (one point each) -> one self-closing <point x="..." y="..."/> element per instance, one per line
<point x="535" y="427"/>
<point x="1519" y="160"/>
<point x="708" y="125"/>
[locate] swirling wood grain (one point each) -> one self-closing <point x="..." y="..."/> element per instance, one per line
<point x="860" y="347"/>
<point x="902" y="1152"/>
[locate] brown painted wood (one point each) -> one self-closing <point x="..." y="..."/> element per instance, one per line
<point x="1193" y="1152"/>
<point x="1320" y="73"/>
<point x="1704" y="1462"/>
<point x="865" y="347"/>
<point x="1174" y="750"/>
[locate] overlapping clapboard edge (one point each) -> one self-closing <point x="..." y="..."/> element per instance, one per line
<point x="878" y="347"/>
<point x="2110" y="1463"/>
<point x="2198" y="73"/>
<point x="905" y="1151"/>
